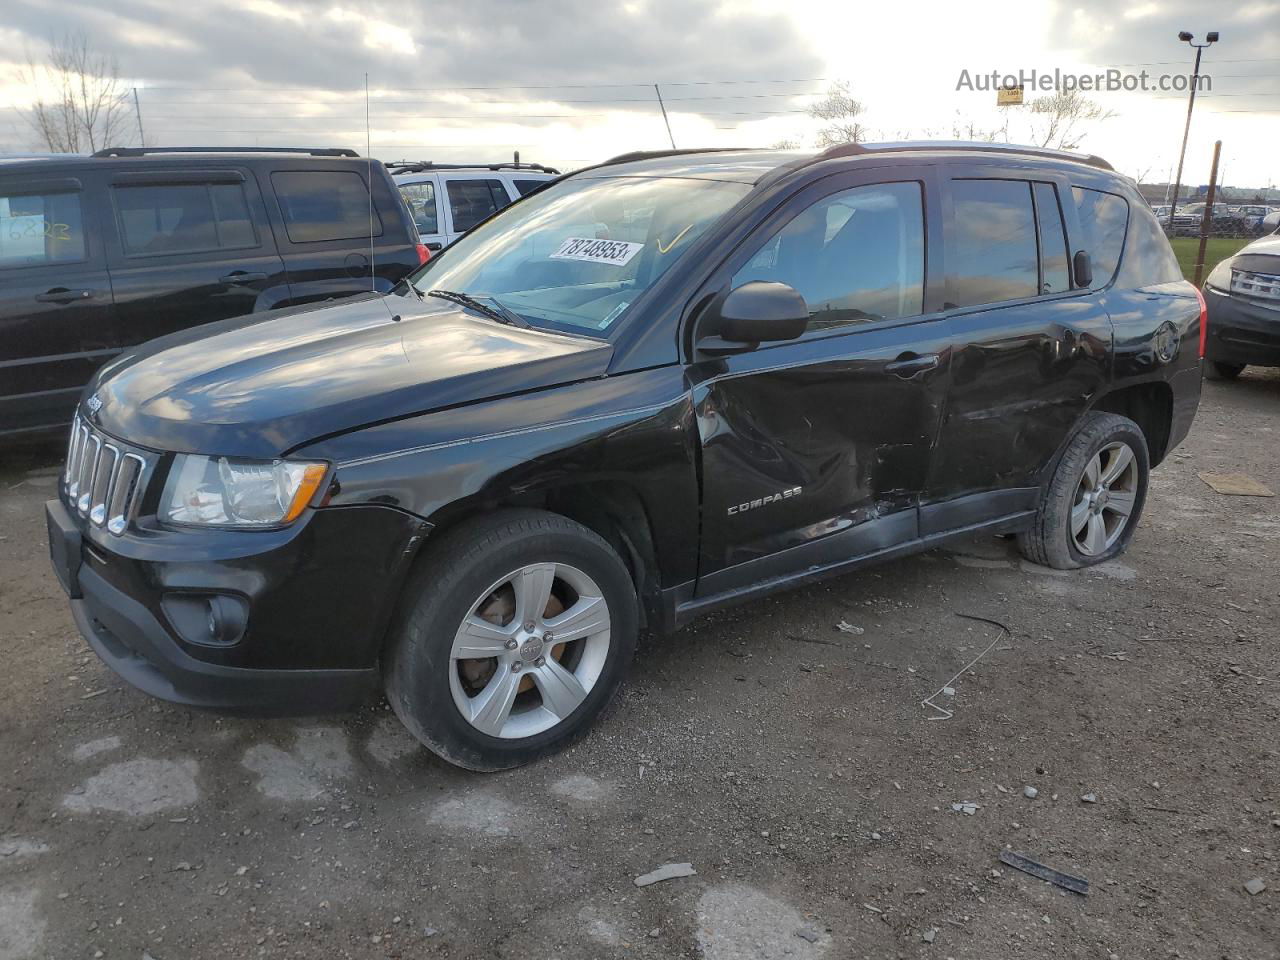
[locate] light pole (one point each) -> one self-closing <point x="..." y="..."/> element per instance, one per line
<point x="1210" y="39"/>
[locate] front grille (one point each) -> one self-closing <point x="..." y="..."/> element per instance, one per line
<point x="104" y="478"/>
<point x="1265" y="286"/>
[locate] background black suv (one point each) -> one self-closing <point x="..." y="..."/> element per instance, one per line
<point x="647" y="390"/>
<point x="100" y="253"/>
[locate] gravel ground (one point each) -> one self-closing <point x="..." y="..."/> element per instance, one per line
<point x="793" y="764"/>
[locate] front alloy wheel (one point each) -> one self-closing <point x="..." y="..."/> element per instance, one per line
<point x="529" y="650"/>
<point x="516" y="629"/>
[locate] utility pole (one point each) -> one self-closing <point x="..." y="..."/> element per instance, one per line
<point x="1210" y="38"/>
<point x="137" y="112"/>
<point x="663" y="107"/>
<point x="1207" y="220"/>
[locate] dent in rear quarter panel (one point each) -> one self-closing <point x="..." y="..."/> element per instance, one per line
<point x="631" y="432"/>
<point x="1137" y="316"/>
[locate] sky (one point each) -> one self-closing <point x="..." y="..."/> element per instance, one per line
<point x="571" y="82"/>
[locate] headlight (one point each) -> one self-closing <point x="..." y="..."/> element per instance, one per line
<point x="220" y="491"/>
<point x="1220" y="277"/>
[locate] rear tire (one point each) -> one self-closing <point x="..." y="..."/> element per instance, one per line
<point x="1089" y="510"/>
<point x="476" y="669"/>
<point x="1215" y="370"/>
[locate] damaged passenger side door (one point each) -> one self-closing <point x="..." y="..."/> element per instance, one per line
<point x="815" y="450"/>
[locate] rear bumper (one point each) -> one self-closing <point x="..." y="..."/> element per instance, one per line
<point x="1242" y="331"/>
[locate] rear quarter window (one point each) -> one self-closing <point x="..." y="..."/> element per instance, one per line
<point x="323" y="205"/>
<point x="1103" y="219"/>
<point x="1148" y="257"/>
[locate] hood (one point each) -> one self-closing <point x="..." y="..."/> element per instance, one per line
<point x="258" y="387"/>
<point x="1267" y="246"/>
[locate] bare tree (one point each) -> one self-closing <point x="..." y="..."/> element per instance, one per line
<point x="839" y="111"/>
<point x="786" y="143"/>
<point x="963" y="128"/>
<point x="80" y="103"/>
<point x="1058" y="120"/>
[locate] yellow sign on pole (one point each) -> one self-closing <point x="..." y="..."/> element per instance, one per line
<point x="1008" y="96"/>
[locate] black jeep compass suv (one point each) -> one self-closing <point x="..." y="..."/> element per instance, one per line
<point x="657" y="386"/>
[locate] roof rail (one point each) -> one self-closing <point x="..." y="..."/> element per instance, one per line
<point x="143" y="151"/>
<point x="422" y="166"/>
<point x="655" y="154"/>
<point x="976" y="146"/>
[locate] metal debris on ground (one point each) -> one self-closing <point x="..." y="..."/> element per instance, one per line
<point x="1041" y="872"/>
<point x="668" y="871"/>
<point x="1089" y="798"/>
<point x="965" y="807"/>
<point x="943" y="712"/>
<point x="1255" y="886"/>
<point x="1235" y="485"/>
<point x="844" y="627"/>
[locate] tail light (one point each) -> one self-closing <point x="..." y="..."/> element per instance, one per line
<point x="1204" y="321"/>
<point x="423" y="253"/>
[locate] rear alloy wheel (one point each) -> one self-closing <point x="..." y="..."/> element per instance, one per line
<point x="1105" y="499"/>
<point x="1088" y="511"/>
<point x="516" y="630"/>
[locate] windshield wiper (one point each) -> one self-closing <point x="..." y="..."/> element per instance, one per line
<point x="493" y="309"/>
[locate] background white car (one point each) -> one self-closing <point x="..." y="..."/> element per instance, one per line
<point x="448" y="199"/>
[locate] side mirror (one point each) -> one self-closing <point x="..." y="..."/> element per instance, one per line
<point x="1082" y="268"/>
<point x="751" y="314"/>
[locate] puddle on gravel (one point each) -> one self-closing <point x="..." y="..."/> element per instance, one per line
<point x="85" y="751"/>
<point x="137" y="788"/>
<point x="581" y="788"/>
<point x="478" y="813"/>
<point x="390" y="742"/>
<point x="736" y="922"/>
<point x="320" y="756"/>
<point x="21" y="927"/>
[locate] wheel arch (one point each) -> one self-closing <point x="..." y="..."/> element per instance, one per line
<point x="613" y="509"/>
<point x="1150" y="406"/>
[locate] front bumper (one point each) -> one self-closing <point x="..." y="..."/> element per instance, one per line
<point x="1242" y="331"/>
<point x="310" y="646"/>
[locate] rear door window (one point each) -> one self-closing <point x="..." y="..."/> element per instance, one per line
<point x="421" y="199"/>
<point x="1054" y="277"/>
<point x="991" y="248"/>
<point x="40" y="228"/>
<point x="157" y="219"/>
<point x="321" y="205"/>
<point x="471" y="201"/>
<point x="527" y="186"/>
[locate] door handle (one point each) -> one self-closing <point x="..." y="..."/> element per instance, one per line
<point x="232" y="279"/>
<point x="57" y="295"/>
<point x="909" y="364"/>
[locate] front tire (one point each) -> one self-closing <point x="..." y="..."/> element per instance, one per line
<point x="1089" y="510"/>
<point x="516" y="631"/>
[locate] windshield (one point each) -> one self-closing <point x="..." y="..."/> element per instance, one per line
<point x="576" y="255"/>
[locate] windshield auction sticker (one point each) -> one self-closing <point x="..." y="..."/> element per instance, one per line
<point x="614" y="252"/>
